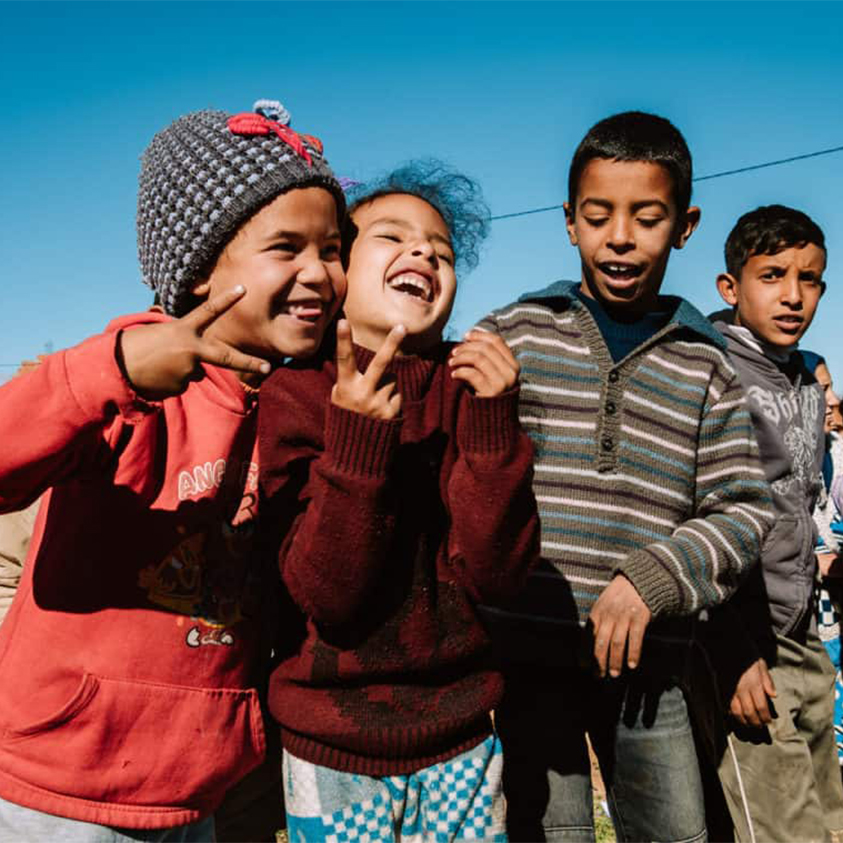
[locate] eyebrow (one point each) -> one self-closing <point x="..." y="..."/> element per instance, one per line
<point x="636" y="206"/>
<point x="782" y="270"/>
<point x="406" y="226"/>
<point x="298" y="235"/>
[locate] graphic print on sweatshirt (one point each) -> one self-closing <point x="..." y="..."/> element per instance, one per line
<point x="795" y="413"/>
<point x="207" y="576"/>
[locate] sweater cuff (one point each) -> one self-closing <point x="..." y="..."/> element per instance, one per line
<point x="359" y="444"/>
<point x="97" y="383"/>
<point x="658" y="590"/>
<point x="490" y="424"/>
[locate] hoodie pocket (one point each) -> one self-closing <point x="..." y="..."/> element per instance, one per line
<point x="141" y="743"/>
<point x="783" y="562"/>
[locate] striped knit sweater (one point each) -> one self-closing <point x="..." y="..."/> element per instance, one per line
<point x="646" y="467"/>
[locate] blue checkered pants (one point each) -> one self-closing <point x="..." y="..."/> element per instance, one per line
<point x="460" y="799"/>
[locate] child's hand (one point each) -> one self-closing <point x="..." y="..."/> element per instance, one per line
<point x="365" y="393"/>
<point x="485" y="363"/>
<point x="749" y="702"/>
<point x="160" y="360"/>
<point x="831" y="565"/>
<point x="619" y="618"/>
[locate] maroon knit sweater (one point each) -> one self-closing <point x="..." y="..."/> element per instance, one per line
<point x="400" y="528"/>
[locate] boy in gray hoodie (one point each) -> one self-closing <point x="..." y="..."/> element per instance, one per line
<point x="779" y="769"/>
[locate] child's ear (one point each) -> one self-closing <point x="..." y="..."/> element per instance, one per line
<point x="569" y="223"/>
<point x="727" y="286"/>
<point x="687" y="227"/>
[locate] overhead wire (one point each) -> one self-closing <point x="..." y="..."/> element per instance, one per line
<point x="708" y="177"/>
<point x="696" y="179"/>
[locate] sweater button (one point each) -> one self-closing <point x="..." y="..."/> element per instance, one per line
<point x="613" y="377"/>
<point x="607" y="443"/>
<point x="610" y="408"/>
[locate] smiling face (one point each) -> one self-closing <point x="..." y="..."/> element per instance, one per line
<point x="287" y="256"/>
<point x="624" y="224"/>
<point x="777" y="295"/>
<point x="400" y="272"/>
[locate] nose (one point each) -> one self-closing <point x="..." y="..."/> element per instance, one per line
<point x="620" y="239"/>
<point x="791" y="290"/>
<point x="314" y="275"/>
<point x="424" y="249"/>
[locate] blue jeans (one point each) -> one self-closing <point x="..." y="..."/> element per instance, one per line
<point x="639" y="728"/>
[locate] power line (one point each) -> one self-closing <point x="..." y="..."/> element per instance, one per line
<point x="698" y="178"/>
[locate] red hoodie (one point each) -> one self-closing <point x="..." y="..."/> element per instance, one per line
<point x="127" y="655"/>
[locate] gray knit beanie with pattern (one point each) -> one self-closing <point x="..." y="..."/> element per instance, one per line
<point x="203" y="176"/>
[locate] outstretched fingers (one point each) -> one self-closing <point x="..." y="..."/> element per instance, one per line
<point x="370" y="393"/>
<point x="346" y="361"/>
<point x="385" y="355"/>
<point x="218" y="353"/>
<point x="211" y="309"/>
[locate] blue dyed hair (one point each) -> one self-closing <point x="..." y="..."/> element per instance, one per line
<point x="457" y="198"/>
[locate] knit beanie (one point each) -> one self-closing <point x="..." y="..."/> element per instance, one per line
<point x="206" y="174"/>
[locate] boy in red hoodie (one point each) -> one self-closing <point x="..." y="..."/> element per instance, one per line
<point x="131" y="650"/>
<point x="411" y="476"/>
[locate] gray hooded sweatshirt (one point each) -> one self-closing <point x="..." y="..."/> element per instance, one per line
<point x="787" y="408"/>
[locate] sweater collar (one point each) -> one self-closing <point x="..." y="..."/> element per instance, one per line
<point x="412" y="372"/>
<point x="562" y="295"/>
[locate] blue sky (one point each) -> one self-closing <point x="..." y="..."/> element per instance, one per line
<point x="502" y="90"/>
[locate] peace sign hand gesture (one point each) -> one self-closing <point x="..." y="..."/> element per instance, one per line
<point x="160" y="360"/>
<point x="367" y="394"/>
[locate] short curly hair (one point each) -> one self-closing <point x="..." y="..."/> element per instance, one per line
<point x="458" y="199"/>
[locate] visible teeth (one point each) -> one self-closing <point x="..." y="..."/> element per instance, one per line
<point x="299" y="309"/>
<point x="414" y="282"/>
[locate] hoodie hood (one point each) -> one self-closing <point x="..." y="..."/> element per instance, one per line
<point x="783" y="370"/>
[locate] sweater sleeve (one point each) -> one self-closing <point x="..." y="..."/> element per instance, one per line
<point x="59" y="417"/>
<point x="706" y="557"/>
<point x="494" y="534"/>
<point x="335" y="463"/>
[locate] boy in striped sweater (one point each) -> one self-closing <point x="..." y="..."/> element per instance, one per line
<point x="652" y="499"/>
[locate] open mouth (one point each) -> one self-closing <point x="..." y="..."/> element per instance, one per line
<point x="306" y="311"/>
<point x="620" y="271"/>
<point x="789" y="323"/>
<point x="412" y="284"/>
